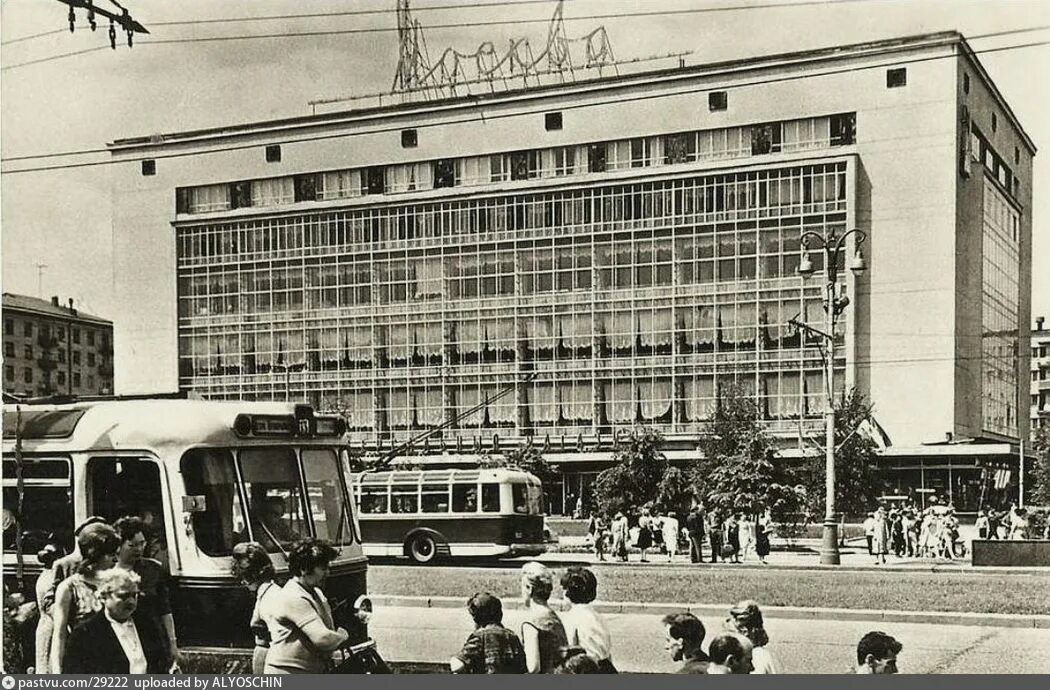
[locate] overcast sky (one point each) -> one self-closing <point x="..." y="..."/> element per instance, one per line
<point x="81" y="102"/>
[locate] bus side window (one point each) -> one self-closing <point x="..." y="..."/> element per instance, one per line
<point x="464" y="498"/>
<point x="404" y="499"/>
<point x="490" y="498"/>
<point x="373" y="499"/>
<point x="209" y="473"/>
<point x="435" y="498"/>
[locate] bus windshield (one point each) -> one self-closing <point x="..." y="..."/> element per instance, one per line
<point x="528" y="499"/>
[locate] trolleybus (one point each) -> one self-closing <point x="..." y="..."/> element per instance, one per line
<point x="208" y="475"/>
<point x="431" y="514"/>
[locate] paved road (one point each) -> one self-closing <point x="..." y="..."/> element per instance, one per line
<point x="802" y="646"/>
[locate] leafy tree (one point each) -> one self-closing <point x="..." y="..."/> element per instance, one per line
<point x="634" y="479"/>
<point x="737" y="470"/>
<point x="1040" y="473"/>
<point x="675" y="492"/>
<point x="857" y="474"/>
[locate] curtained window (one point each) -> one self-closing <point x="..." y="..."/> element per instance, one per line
<point x="619" y="401"/>
<point x="360" y="411"/>
<point x="539" y="336"/>
<point x="399" y="344"/>
<point x="655" y="330"/>
<point x="399" y="411"/>
<point x="813" y="393"/>
<point x="340" y="184"/>
<point x="543" y="404"/>
<point x="654" y="400"/>
<point x="467" y="398"/>
<point x="700" y="398"/>
<point x="214" y="197"/>
<point x="356" y="346"/>
<point x="574" y="331"/>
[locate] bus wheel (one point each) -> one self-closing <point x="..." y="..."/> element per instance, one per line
<point x="423" y="548"/>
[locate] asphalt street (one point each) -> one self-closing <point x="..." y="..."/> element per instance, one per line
<point x="801" y="646"/>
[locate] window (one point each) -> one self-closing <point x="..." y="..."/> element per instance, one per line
<point x="46" y="510"/>
<point x="90" y="382"/>
<point x="27" y="330"/>
<point x="464" y="498"/>
<point x="995" y="122"/>
<point x="28" y="352"/>
<point x="324" y="487"/>
<point x="305" y="187"/>
<point x="273" y="153"/>
<point x="9" y="373"/>
<point x="208" y="473"/>
<point x="91" y="359"/>
<point x="76" y="356"/>
<point x="404" y="499"/>
<point x="435" y="498"/>
<point x="717" y="100"/>
<point x="409" y="138"/>
<point x="843" y="129"/>
<point x="966" y="83"/>
<point x="9" y="327"/>
<point x="241" y="195"/>
<point x="552" y="121"/>
<point x="9" y="349"/>
<point x="374" y="180"/>
<point x="524" y="165"/>
<point x="27" y="375"/>
<point x="766" y="138"/>
<point x="896" y="77"/>
<point x="444" y="173"/>
<point x="275" y="505"/>
<point x="76" y="379"/>
<point x="596" y="158"/>
<point x="90" y="337"/>
<point x="61" y="355"/>
<point x="62" y="336"/>
<point x="373" y="499"/>
<point x="76" y="335"/>
<point x="149" y="167"/>
<point x="60" y="378"/>
<point x="490" y="498"/>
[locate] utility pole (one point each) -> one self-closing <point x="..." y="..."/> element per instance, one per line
<point x="123" y="19"/>
<point x="834" y="304"/>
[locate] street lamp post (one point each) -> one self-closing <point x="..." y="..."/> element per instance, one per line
<point x="834" y="304"/>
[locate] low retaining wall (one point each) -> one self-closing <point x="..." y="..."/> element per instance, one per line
<point x="1028" y="553"/>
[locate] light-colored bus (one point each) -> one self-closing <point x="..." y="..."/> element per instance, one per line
<point x="205" y="475"/>
<point x="431" y="514"/>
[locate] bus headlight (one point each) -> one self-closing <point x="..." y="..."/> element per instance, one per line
<point x="363" y="609"/>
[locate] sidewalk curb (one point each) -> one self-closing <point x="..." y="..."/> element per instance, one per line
<point x="999" y="620"/>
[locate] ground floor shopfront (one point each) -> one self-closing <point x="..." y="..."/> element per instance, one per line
<point x="969" y="476"/>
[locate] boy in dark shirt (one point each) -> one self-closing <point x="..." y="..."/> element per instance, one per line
<point x="491" y="648"/>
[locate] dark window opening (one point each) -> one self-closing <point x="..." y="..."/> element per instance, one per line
<point x="596" y="158"/>
<point x="524" y="165"/>
<point x="273" y="153"/>
<point x="149" y="167"/>
<point x="241" y="195"/>
<point x="844" y="129"/>
<point x="552" y="121"/>
<point x="717" y="100"/>
<point x="995" y="122"/>
<point x="182" y="200"/>
<point x="765" y="138"/>
<point x="374" y="180"/>
<point x="306" y="187"/>
<point x="966" y="83"/>
<point x="444" y="173"/>
<point x="409" y="138"/>
<point x="1017" y="156"/>
<point x="896" y="77"/>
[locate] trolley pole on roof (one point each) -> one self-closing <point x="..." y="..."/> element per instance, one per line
<point x="388" y="457"/>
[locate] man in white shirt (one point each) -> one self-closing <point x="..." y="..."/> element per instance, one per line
<point x="116" y="640"/>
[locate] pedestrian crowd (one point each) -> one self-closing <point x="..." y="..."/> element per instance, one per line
<point x="727" y="536"/>
<point x="578" y="640"/>
<point x="105" y="608"/>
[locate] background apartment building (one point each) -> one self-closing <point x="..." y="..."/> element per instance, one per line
<point x="54" y="349"/>
<point x="632" y="241"/>
<point x="1040" y="410"/>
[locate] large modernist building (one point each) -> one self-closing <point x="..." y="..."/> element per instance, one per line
<point x="1040" y="410"/>
<point x="55" y="349"/>
<point x="631" y="241"/>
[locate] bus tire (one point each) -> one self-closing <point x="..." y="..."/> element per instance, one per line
<point x="422" y="548"/>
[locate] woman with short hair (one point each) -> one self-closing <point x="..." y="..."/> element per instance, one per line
<point x="746" y="618"/>
<point x="77" y="599"/>
<point x="304" y="634"/>
<point x="584" y="627"/>
<point x="253" y="568"/>
<point x="542" y="633"/>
